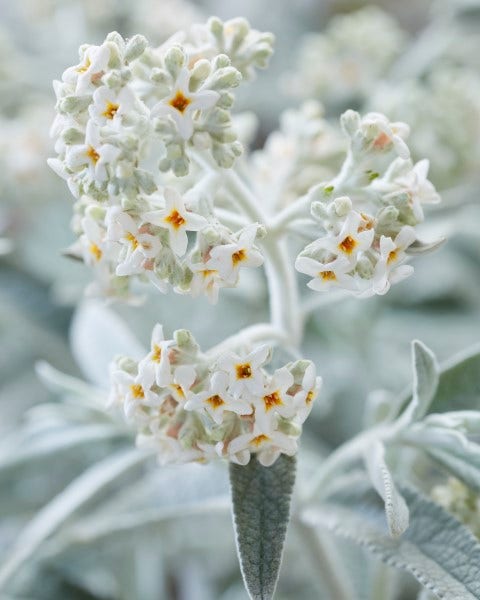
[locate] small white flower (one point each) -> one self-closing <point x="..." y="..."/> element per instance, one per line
<point x="303" y="400"/>
<point x="351" y="239"/>
<point x="132" y="392"/>
<point x="155" y="367"/>
<point x="109" y="105"/>
<point x="386" y="134"/>
<point x="267" y="446"/>
<point x="183" y="379"/>
<point x="205" y="281"/>
<point x="90" y="70"/>
<point x="245" y="373"/>
<point x="327" y="275"/>
<point x="274" y="400"/>
<point x="94" y="155"/>
<point x="182" y="104"/>
<point x="228" y="258"/>
<point x="177" y="219"/>
<point x="169" y="449"/>
<point x="392" y="253"/>
<point x="420" y="190"/>
<point x="92" y="242"/>
<point x="217" y="399"/>
<point x="138" y="248"/>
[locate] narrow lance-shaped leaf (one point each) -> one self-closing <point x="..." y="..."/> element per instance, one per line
<point x="261" y="508"/>
<point x="89" y="485"/>
<point x="425" y="381"/>
<point x="436" y="548"/>
<point x="396" y="509"/>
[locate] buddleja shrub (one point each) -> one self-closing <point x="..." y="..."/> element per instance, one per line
<point x="165" y="195"/>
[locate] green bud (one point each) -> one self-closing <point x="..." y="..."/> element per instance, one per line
<point x="73" y="136"/>
<point x="174" y="60"/>
<point x="135" y="47"/>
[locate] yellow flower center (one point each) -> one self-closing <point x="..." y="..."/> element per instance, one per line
<point x="93" y="155"/>
<point x="347" y="245"/>
<point x="244" y="371"/>
<point x="156" y="353"/>
<point x="95" y="251"/>
<point x="392" y="257"/>
<point x="180" y="102"/>
<point x="179" y="390"/>
<point x="175" y="219"/>
<point x="132" y="239"/>
<point x="215" y="401"/>
<point x="310" y="397"/>
<point x="110" y="110"/>
<point x="328" y="275"/>
<point x="137" y="391"/>
<point x="86" y="65"/>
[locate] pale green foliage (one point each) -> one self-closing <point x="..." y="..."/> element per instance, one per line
<point x="261" y="509"/>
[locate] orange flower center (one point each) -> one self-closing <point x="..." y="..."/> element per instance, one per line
<point x="272" y="400"/>
<point x="347" y="245"/>
<point x="215" y="401"/>
<point x="244" y="371"/>
<point x="328" y="275"/>
<point x="238" y="256"/>
<point x="180" y="102"/>
<point x="260" y="439"/>
<point x="175" y="219"/>
<point x="392" y="256"/>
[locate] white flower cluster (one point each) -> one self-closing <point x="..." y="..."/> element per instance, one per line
<point x="368" y="213"/>
<point x="128" y="114"/>
<point x="192" y="407"/>
<point x="343" y="63"/>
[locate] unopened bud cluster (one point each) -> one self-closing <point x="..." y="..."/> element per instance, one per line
<point x="189" y="406"/>
<point x="368" y="213"/>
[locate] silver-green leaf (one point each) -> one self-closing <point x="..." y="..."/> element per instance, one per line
<point x="425" y="380"/>
<point x="438" y="550"/>
<point x="261" y="509"/>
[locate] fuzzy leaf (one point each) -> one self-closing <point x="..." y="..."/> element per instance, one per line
<point x="91" y="484"/>
<point x="419" y="247"/>
<point x="425" y="380"/>
<point x="395" y="508"/>
<point x="437" y="549"/>
<point x="261" y="509"/>
<point x="451" y="448"/>
<point x="459" y="385"/>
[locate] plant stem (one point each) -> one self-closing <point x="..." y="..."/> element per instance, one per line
<point x="344" y="454"/>
<point x="282" y="288"/>
<point x="255" y="333"/>
<point x="282" y="283"/>
<point x="325" y="561"/>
